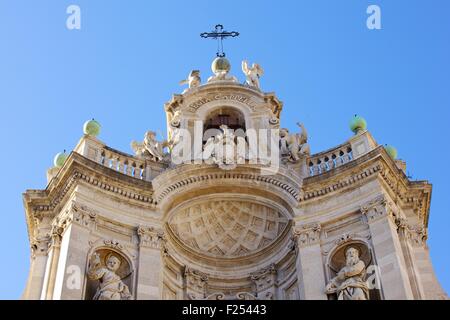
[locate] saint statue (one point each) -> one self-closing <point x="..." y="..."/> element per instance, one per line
<point x="349" y="283"/>
<point x="111" y="286"/>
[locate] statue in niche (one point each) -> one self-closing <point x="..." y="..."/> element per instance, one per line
<point x="193" y="79"/>
<point x="111" y="286"/>
<point x="252" y="73"/>
<point x="349" y="283"/>
<point x="292" y="146"/>
<point x="150" y="147"/>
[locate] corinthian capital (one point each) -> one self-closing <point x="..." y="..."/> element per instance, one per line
<point x="306" y="235"/>
<point x="150" y="237"/>
<point x="376" y="209"/>
<point x="39" y="246"/>
<point x="83" y="215"/>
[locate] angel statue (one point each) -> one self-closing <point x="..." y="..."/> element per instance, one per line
<point x="253" y="74"/>
<point x="349" y="283"/>
<point x="111" y="286"/>
<point x="193" y="79"/>
<point x="150" y="146"/>
<point x="294" y="145"/>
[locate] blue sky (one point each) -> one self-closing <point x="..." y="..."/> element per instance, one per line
<point x="129" y="56"/>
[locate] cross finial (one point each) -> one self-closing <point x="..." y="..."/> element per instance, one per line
<point x="219" y="34"/>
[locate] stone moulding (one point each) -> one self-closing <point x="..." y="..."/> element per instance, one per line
<point x="373" y="164"/>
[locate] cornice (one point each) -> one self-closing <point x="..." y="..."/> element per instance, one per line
<point x="375" y="164"/>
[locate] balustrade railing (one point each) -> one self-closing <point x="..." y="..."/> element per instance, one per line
<point x="330" y="159"/>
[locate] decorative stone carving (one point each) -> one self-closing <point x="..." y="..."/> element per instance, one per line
<point x="193" y="79"/>
<point x="307" y="235"/>
<point x="149" y="237"/>
<point x="196" y="282"/>
<point x="264" y="281"/>
<point x="349" y="284"/>
<point x="39" y="246"/>
<point x="228" y="228"/>
<point x="83" y="215"/>
<point x="223" y="150"/>
<point x="111" y="286"/>
<point x="150" y="147"/>
<point x="293" y="146"/>
<point x="252" y="74"/>
<point x="376" y="209"/>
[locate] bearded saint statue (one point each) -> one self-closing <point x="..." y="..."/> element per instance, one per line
<point x="349" y="283"/>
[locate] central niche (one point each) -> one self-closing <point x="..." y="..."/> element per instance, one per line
<point x="228" y="228"/>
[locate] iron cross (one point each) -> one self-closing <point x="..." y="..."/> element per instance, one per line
<point x="219" y="34"/>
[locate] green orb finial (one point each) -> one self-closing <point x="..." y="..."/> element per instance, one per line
<point x="92" y="128"/>
<point x="392" y="151"/>
<point x="220" y="64"/>
<point x="60" y="158"/>
<point x="358" y="124"/>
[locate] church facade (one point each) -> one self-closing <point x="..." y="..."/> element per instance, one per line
<point x="230" y="206"/>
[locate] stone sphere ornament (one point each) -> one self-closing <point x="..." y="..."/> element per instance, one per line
<point x="59" y="159"/>
<point x="358" y="124"/>
<point x="220" y="64"/>
<point x="92" y="128"/>
<point x="392" y="151"/>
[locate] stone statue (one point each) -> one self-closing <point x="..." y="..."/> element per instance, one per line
<point x="150" y="147"/>
<point x="252" y="74"/>
<point x="193" y="79"/>
<point x="349" y="283"/>
<point x="111" y="286"/>
<point x="294" y="145"/>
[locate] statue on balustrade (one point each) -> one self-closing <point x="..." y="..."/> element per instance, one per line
<point x="111" y="286"/>
<point x="292" y="146"/>
<point x="252" y="73"/>
<point x="349" y="283"/>
<point x="193" y="79"/>
<point x="150" y="147"/>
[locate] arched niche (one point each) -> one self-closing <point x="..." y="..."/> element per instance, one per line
<point x="229" y="116"/>
<point x="125" y="270"/>
<point x="336" y="260"/>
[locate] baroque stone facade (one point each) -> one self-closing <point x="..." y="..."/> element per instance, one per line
<point x="345" y="223"/>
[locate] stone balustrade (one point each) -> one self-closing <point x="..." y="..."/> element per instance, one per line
<point x="330" y="159"/>
<point x="129" y="165"/>
<point x="122" y="162"/>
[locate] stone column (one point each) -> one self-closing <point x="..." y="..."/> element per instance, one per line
<point x="309" y="262"/>
<point x="38" y="262"/>
<point x="388" y="252"/>
<point x="421" y="269"/>
<point x="149" y="279"/>
<point x="71" y="270"/>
